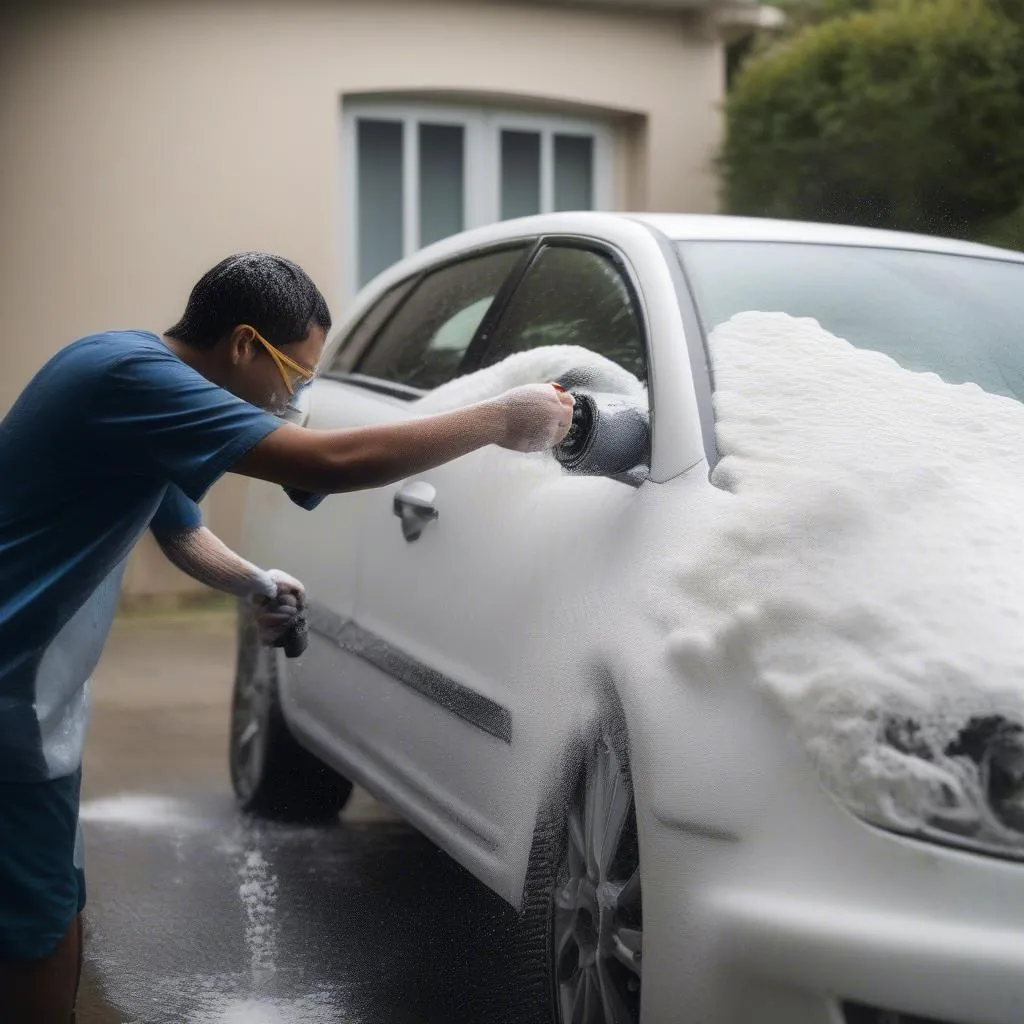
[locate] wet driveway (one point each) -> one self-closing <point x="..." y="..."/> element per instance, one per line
<point x="199" y="916"/>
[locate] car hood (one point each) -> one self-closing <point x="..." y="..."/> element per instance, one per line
<point x="863" y="564"/>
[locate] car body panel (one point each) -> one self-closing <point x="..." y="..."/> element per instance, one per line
<point x="710" y="227"/>
<point x="765" y="900"/>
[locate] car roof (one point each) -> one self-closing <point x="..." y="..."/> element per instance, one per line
<point x="679" y="227"/>
<point x="682" y="227"/>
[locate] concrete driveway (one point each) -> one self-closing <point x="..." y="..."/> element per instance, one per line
<point x="199" y="916"/>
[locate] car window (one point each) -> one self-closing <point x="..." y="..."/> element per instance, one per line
<point x="574" y="296"/>
<point x="957" y="316"/>
<point x="423" y="344"/>
<point x="362" y="334"/>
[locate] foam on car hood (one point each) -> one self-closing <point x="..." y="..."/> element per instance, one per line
<point x="863" y="559"/>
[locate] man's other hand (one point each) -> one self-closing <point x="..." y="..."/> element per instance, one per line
<point x="275" y="614"/>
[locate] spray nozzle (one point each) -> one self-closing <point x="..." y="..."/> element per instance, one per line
<point x="609" y="434"/>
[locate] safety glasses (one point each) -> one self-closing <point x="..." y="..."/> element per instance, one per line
<point x="294" y="374"/>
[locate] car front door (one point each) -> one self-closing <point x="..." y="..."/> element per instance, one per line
<point x="471" y="625"/>
<point x="414" y="338"/>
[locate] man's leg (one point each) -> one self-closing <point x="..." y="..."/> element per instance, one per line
<point x="42" y="893"/>
<point x="78" y="971"/>
<point x="43" y="991"/>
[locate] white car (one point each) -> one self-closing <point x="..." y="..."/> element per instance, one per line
<point x="466" y="664"/>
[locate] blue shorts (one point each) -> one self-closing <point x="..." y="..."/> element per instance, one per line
<point x="42" y="884"/>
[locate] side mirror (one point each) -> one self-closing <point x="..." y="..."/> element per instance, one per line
<point x="610" y="434"/>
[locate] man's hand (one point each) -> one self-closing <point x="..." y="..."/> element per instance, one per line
<point x="333" y="461"/>
<point x="274" y="615"/>
<point x="538" y="417"/>
<point x="276" y="597"/>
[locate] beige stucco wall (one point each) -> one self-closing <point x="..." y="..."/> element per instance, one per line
<point x="142" y="142"/>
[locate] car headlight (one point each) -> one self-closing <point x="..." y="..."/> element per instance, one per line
<point x="967" y="791"/>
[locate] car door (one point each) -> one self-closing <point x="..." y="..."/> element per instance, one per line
<point x="474" y="622"/>
<point x="414" y="338"/>
<point x="279" y="531"/>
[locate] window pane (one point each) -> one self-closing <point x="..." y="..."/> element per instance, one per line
<point x="956" y="316"/>
<point x="423" y="344"/>
<point x="574" y="172"/>
<point x="520" y="174"/>
<point x="574" y="297"/>
<point x="362" y="334"/>
<point x="379" y="196"/>
<point x="441" y="184"/>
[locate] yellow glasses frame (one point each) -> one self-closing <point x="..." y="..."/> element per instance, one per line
<point x="284" y="364"/>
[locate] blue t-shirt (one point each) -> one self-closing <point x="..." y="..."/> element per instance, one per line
<point x="114" y="434"/>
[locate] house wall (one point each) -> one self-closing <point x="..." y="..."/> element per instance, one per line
<point x="141" y="142"/>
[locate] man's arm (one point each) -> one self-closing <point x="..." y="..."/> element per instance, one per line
<point x="276" y="596"/>
<point x="530" y="418"/>
<point x="152" y="415"/>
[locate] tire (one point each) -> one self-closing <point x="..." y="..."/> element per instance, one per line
<point x="582" y="903"/>
<point x="272" y="775"/>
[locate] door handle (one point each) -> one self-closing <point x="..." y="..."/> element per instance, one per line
<point x="414" y="506"/>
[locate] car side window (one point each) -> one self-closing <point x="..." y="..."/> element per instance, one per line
<point x="574" y="296"/>
<point x="424" y="343"/>
<point x="362" y="334"/>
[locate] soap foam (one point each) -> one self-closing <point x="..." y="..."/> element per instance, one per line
<point x="534" y="366"/>
<point x="139" y="810"/>
<point x="864" y="558"/>
<point x="303" y="1010"/>
<point x="258" y="892"/>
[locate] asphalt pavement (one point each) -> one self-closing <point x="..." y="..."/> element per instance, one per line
<point x="199" y="915"/>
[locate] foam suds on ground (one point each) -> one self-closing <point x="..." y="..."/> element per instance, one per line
<point x="225" y="999"/>
<point x="258" y="893"/>
<point x="304" y="1010"/>
<point x="139" y="810"/>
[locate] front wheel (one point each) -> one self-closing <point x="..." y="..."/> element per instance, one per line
<point x="271" y="774"/>
<point x="583" y="897"/>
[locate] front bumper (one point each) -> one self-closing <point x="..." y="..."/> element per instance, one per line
<point x="826" y="920"/>
<point x="767" y="902"/>
<point x="922" y="964"/>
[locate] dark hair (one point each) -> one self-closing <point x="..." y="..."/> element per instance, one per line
<point x="267" y="292"/>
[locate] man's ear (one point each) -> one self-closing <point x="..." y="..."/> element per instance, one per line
<point x="241" y="345"/>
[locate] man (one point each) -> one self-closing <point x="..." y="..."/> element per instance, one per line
<point x="126" y="430"/>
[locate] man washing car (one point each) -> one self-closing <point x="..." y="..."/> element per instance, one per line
<point x="124" y="431"/>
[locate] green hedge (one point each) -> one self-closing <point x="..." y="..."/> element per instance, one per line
<point x="1006" y="232"/>
<point x="910" y="116"/>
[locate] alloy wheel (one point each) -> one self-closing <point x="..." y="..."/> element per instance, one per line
<point x="250" y="712"/>
<point x="598" y="928"/>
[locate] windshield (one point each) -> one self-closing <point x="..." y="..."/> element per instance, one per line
<point x="960" y="317"/>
